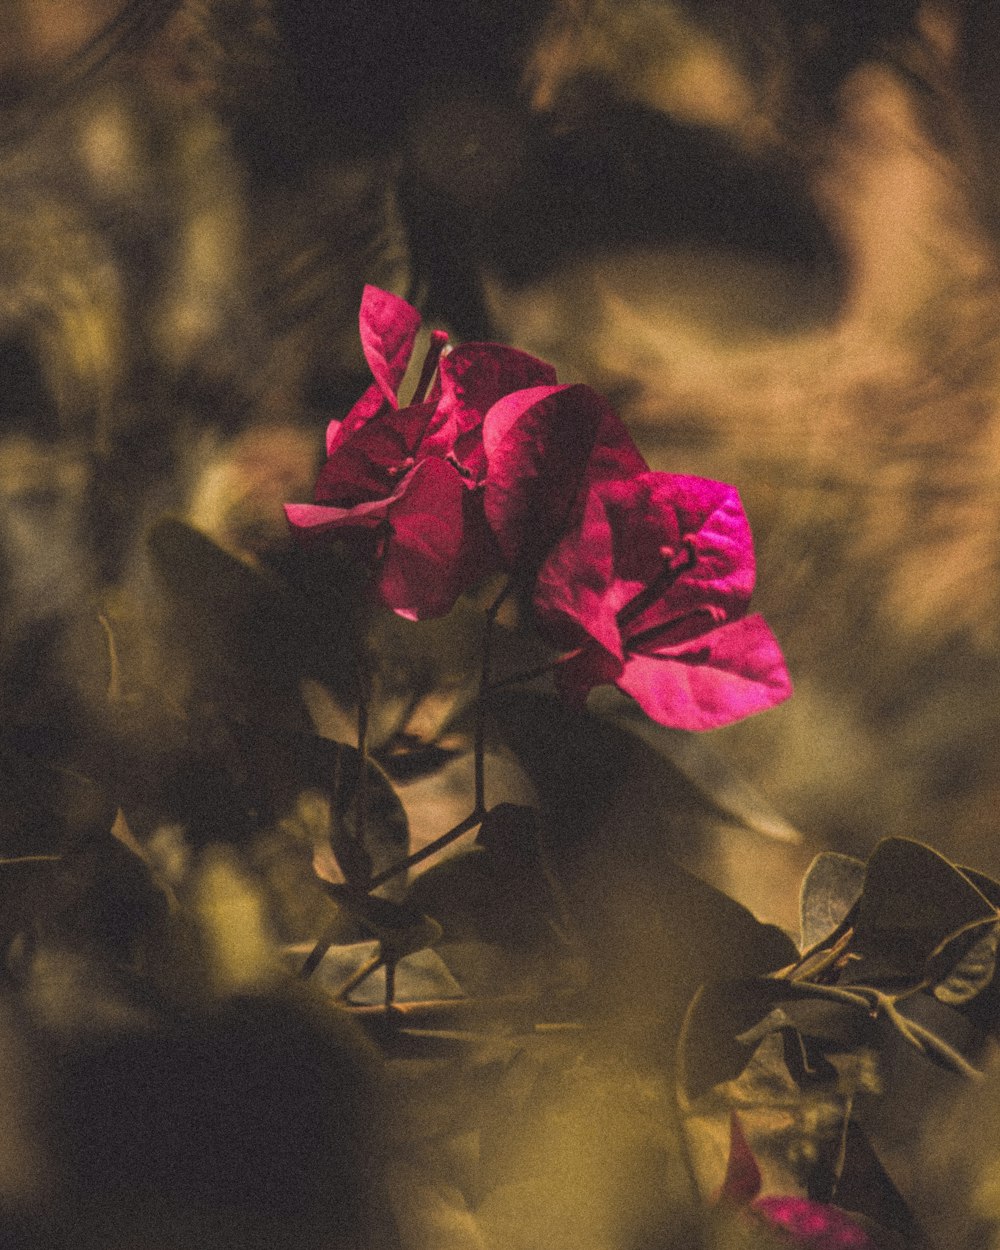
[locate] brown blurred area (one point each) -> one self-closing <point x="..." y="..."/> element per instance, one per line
<point x="767" y="231"/>
<point x="765" y="234"/>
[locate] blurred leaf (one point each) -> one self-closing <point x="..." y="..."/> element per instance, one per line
<point x="499" y="890"/>
<point x="609" y="806"/>
<point x="865" y="1187"/>
<point x="25" y="884"/>
<point x="711" y="1049"/>
<point x="280" y="765"/>
<point x="579" y="763"/>
<point x="830" y="888"/>
<point x="100" y="900"/>
<point x="45" y="805"/>
<point x="297" y="622"/>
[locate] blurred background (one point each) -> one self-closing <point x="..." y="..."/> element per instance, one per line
<point x="768" y="232"/>
<point x="765" y="231"/>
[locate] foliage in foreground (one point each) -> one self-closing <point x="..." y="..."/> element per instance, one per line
<point x="559" y="1036"/>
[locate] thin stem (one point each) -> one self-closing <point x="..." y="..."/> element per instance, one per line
<point x="364" y="694"/>
<point x="531" y="674"/>
<point x="363" y="669"/>
<point x="315" y="956"/>
<point x="470" y="822"/>
<point x="362" y="974"/>
<point x="390" y="984"/>
<point x="479" y="739"/>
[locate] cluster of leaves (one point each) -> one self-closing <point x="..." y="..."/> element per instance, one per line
<point x="565" y="920"/>
<point x="900" y="955"/>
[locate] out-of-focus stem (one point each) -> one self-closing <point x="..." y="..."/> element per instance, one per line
<point x="479" y="739"/>
<point x="470" y="822"/>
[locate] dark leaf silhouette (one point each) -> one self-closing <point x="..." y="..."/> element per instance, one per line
<point x="913" y="900"/>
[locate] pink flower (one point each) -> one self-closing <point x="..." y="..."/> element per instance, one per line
<point x="415" y="535"/>
<point x="805" y="1224"/>
<point x="480" y="471"/>
<point x="544" y="446"/>
<point x="649" y="590"/>
<point x="401" y="478"/>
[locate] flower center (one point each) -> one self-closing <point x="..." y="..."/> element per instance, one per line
<point x="463" y="470"/>
<point x="676" y="563"/>
<point x="401" y="469"/>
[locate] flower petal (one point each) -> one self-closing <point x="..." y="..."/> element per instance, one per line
<point x="472" y="378"/>
<point x="724" y="570"/>
<point x="422" y="572"/>
<point x="389" y="328"/>
<point x="370" y="461"/>
<point x="314" y="521"/>
<point x="615" y="454"/>
<point x="538" y="444"/>
<point x="812" y="1225"/>
<point x="574" y="590"/>
<point x="682" y="549"/>
<point x="743" y="1180"/>
<point x="713" y="680"/>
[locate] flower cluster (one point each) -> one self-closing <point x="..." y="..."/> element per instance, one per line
<point x="643" y="578"/>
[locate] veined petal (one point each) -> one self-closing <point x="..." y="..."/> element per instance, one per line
<point x="370" y="461"/>
<point x="538" y="444"/>
<point x="615" y="454"/>
<point x="422" y="570"/>
<point x="389" y="327"/>
<point x="574" y="590"/>
<point x="371" y="403"/>
<point x="724" y="571"/>
<point x="475" y="375"/>
<point x="314" y="516"/>
<point x="682" y="548"/>
<point x="472" y="377"/>
<point x="721" y="677"/>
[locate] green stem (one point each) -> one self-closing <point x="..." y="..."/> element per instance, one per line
<point x="362" y="974"/>
<point x="470" y="822"/>
<point x="364" y="696"/>
<point x="479" y="739"/>
<point x="518" y="679"/>
<point x="315" y="956"/>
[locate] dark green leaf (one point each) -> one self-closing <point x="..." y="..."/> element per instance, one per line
<point x="499" y="891"/>
<point x="25" y="886"/>
<point x="836" y="1024"/>
<point x="278" y="766"/>
<point x="716" y="1041"/>
<point x="865" y="1187"/>
<point x="913" y="900"/>
<point x="987" y="886"/>
<point x="831" y="887"/>
<point x="46" y="806"/>
<point x="610" y="807"/>
<point x="232" y="614"/>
